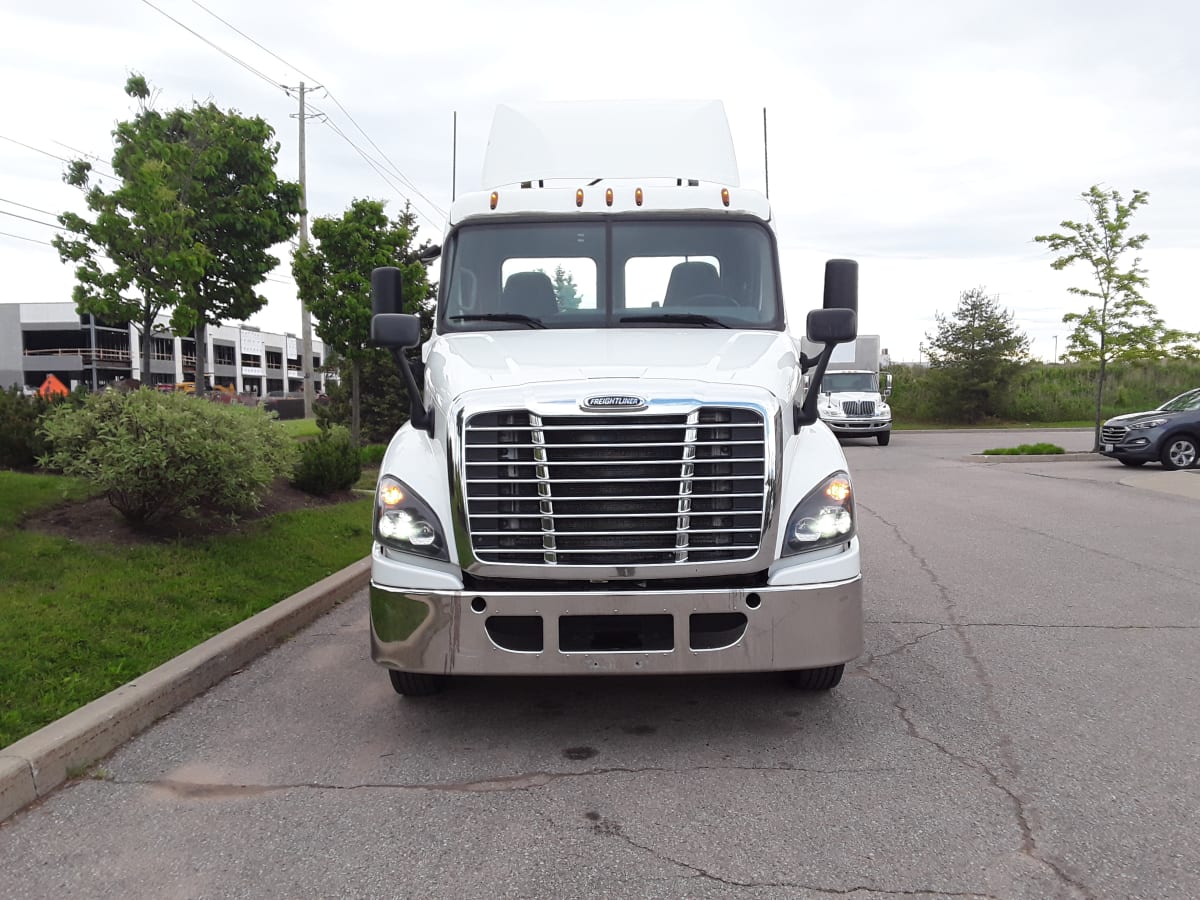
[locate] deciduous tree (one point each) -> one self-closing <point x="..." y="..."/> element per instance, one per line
<point x="334" y="278"/>
<point x="1120" y="324"/>
<point x="188" y="228"/>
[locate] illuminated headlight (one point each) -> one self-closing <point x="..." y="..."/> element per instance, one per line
<point x="1151" y="423"/>
<point x="822" y="519"/>
<point x="404" y="521"/>
<point x="883" y="409"/>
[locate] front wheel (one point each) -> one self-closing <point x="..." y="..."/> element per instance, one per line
<point x="1133" y="463"/>
<point x="822" y="679"/>
<point x="415" y="684"/>
<point x="1179" y="452"/>
<point x="884" y="439"/>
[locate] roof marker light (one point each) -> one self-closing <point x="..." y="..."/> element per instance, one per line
<point x="608" y="197"/>
<point x="638" y="197"/>
<point x="495" y="198"/>
<point x="579" y="197"/>
<point x="725" y="196"/>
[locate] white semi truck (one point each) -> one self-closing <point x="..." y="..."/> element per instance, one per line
<point x="612" y="466"/>
<point x="854" y="392"/>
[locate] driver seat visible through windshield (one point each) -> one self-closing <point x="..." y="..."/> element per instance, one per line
<point x="695" y="284"/>
<point x="529" y="294"/>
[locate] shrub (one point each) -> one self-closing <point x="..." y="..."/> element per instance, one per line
<point x="20" y="443"/>
<point x="157" y="455"/>
<point x="372" y="454"/>
<point x="329" y="463"/>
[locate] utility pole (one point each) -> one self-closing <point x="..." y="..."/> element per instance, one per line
<point x="306" y="320"/>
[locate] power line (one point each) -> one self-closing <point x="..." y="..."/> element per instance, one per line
<point x="380" y="171"/>
<point x="30" y="208"/>
<point x="5" y="212"/>
<point x="394" y="168"/>
<point x="21" y="237"/>
<point x="228" y="24"/>
<point x="245" y="65"/>
<point x="48" y="153"/>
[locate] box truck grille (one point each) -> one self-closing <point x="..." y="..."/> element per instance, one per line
<point x="858" y="407"/>
<point x="615" y="490"/>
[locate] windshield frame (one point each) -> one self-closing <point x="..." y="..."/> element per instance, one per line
<point x="607" y="278"/>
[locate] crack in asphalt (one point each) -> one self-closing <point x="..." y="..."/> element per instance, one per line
<point x="192" y="790"/>
<point x="1008" y="759"/>
<point x="1031" y="625"/>
<point x="608" y="828"/>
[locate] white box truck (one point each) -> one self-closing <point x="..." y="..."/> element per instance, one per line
<point x="611" y="465"/>
<point x="854" y="392"/>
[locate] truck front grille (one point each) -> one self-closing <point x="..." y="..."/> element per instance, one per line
<point x="858" y="407"/>
<point x="615" y="490"/>
<point x="1113" y="434"/>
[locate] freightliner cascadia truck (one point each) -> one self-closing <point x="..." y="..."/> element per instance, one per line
<point x="612" y="465"/>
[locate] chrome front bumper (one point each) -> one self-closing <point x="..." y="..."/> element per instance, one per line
<point x="783" y="627"/>
<point x="858" y="426"/>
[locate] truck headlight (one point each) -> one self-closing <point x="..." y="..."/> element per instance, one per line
<point x="822" y="519"/>
<point x="834" y="412"/>
<point x="406" y="522"/>
<point x="1151" y="423"/>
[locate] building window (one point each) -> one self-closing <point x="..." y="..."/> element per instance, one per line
<point x="222" y="355"/>
<point x="274" y="359"/>
<point x="251" y="361"/>
<point x="163" y="349"/>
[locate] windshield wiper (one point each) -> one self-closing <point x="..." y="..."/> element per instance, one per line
<point x="501" y="317"/>
<point x="681" y="318"/>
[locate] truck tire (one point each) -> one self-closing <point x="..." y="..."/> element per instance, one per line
<point x="884" y="438"/>
<point x="414" y="684"/>
<point x="1178" y="452"/>
<point x="816" y="679"/>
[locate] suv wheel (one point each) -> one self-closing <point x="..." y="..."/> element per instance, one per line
<point x="1179" y="452"/>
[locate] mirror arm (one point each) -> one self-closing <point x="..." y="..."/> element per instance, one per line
<point x="806" y="413"/>
<point x="418" y="414"/>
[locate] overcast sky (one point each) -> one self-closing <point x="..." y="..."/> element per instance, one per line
<point x="929" y="140"/>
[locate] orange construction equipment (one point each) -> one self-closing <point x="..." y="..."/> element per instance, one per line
<point x="52" y="387"/>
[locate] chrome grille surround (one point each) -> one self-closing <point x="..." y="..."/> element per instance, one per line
<point x="686" y="486"/>
<point x="1113" y="434"/>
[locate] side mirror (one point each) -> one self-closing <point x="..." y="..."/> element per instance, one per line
<point x="841" y="284"/>
<point x="387" y="295"/>
<point x="396" y="330"/>
<point x="887" y="384"/>
<point x="832" y="325"/>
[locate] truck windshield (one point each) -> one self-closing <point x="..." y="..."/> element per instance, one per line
<point x="847" y="382"/>
<point x="614" y="273"/>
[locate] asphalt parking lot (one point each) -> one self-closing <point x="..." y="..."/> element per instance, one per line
<point x="1024" y="724"/>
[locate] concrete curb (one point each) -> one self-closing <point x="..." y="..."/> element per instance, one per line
<point x="36" y="765"/>
<point x="1069" y="456"/>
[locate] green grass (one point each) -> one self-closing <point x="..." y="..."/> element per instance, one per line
<point x="78" y="619"/>
<point x="1042" y="449"/>
<point x="300" y="428"/>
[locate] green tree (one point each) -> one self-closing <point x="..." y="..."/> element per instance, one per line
<point x="1120" y="324"/>
<point x="974" y="356"/>
<point x="187" y="228"/>
<point x="565" y="289"/>
<point x="334" y="279"/>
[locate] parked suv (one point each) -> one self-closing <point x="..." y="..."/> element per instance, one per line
<point x="1169" y="434"/>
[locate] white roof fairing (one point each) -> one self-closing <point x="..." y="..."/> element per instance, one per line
<point x="583" y="141"/>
